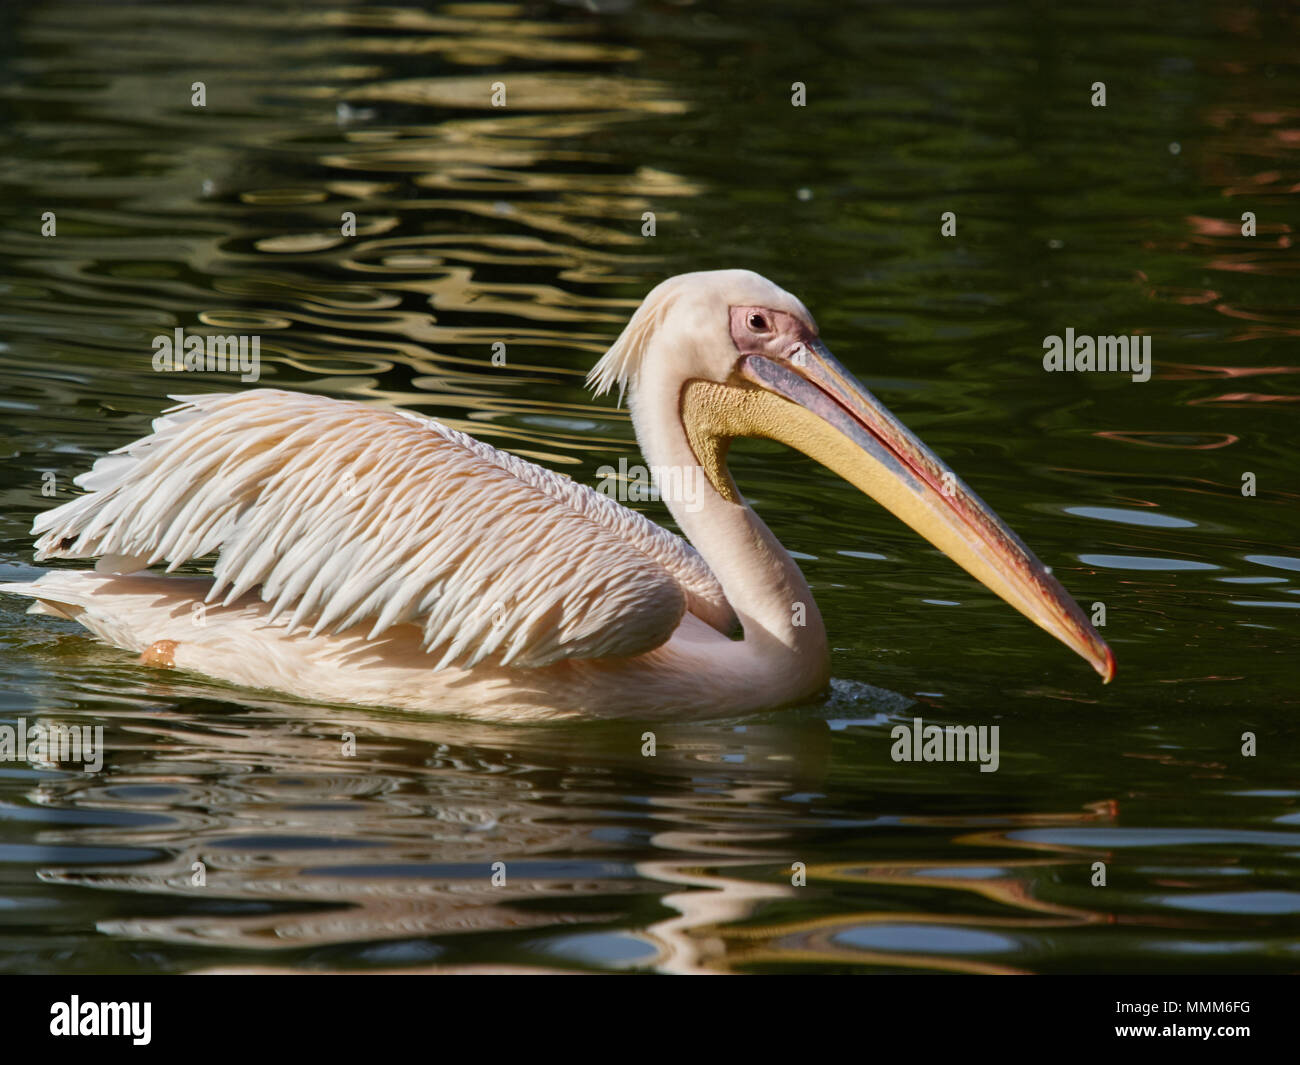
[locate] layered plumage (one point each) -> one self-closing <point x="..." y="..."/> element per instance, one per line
<point x="335" y="514"/>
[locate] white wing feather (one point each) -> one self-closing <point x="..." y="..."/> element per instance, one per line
<point x="338" y="513"/>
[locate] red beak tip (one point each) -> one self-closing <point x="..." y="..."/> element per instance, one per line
<point x="1107" y="668"/>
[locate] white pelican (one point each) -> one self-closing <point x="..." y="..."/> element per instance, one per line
<point x="378" y="558"/>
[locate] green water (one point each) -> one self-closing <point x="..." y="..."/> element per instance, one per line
<point x="523" y="225"/>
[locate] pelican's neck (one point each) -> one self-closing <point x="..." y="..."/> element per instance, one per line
<point x="783" y="627"/>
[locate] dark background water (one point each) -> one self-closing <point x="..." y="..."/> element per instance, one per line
<point x="522" y="225"/>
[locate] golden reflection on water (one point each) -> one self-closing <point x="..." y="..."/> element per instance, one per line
<point x="447" y="202"/>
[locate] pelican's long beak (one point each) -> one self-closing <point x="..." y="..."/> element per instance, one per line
<point x="850" y="432"/>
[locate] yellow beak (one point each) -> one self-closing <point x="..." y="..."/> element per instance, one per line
<point x="839" y="423"/>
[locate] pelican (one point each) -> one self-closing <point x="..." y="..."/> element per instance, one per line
<point x="378" y="558"/>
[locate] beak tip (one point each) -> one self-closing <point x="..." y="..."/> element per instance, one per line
<point x="1106" y="667"/>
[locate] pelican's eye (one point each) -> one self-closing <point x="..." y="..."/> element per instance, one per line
<point x="758" y="323"/>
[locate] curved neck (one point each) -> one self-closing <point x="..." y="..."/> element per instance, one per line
<point x="783" y="627"/>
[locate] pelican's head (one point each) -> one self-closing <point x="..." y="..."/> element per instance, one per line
<point x="743" y="358"/>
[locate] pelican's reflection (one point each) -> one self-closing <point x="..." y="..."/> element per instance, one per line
<point x="344" y="839"/>
<point x="281" y="827"/>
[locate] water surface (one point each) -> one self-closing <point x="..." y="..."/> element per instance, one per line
<point x="523" y="226"/>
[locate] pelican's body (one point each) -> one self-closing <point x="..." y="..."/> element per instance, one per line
<point x="376" y="558"/>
